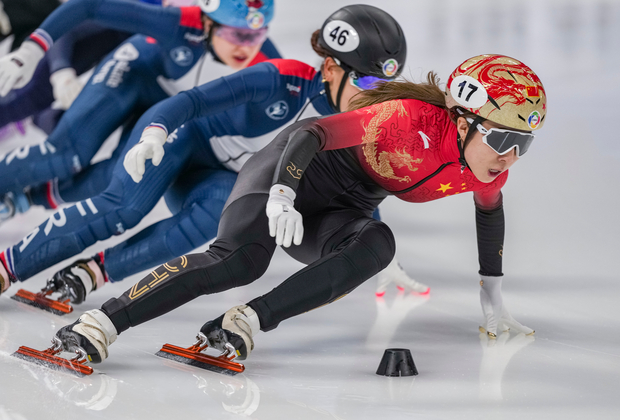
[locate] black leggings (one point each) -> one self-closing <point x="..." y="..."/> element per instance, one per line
<point x="343" y="245"/>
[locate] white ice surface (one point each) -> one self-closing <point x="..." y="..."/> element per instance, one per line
<point x="561" y="265"/>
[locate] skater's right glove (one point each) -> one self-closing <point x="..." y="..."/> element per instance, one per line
<point x="151" y="146"/>
<point x="17" y="68"/>
<point x="285" y="223"/>
<point x="496" y="316"/>
<point x="66" y="86"/>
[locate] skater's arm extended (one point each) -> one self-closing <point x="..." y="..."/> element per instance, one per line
<point x="253" y="84"/>
<point x="159" y="22"/>
<point x="490" y="231"/>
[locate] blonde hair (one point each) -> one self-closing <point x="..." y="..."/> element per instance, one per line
<point x="428" y="92"/>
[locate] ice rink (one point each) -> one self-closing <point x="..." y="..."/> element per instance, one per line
<point x="561" y="265"/>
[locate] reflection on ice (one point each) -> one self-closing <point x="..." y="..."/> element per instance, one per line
<point x="95" y="392"/>
<point x="389" y="318"/>
<point x="496" y="354"/>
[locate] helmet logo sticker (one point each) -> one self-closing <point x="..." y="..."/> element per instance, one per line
<point x="390" y="67"/>
<point x="255" y="19"/>
<point x="209" y="6"/>
<point x="182" y="56"/>
<point x="255" y="4"/>
<point x="277" y="110"/>
<point x="534" y="120"/>
<point x="340" y="36"/>
<point x="468" y="92"/>
<point x="532" y="91"/>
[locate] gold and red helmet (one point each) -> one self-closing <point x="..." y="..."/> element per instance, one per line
<point x="499" y="89"/>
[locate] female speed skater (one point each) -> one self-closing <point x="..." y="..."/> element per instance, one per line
<point x="215" y="129"/>
<point x="321" y="179"/>
<point x="145" y="69"/>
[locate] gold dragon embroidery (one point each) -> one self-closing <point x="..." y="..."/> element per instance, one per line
<point x="383" y="165"/>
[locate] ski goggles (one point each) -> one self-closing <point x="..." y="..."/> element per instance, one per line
<point x="364" y="82"/>
<point x="503" y="141"/>
<point x="243" y="37"/>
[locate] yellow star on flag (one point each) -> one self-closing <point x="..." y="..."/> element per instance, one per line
<point x="445" y="187"/>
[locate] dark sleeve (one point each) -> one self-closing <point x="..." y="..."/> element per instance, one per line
<point x="253" y="84"/>
<point x="490" y="232"/>
<point x="336" y="132"/>
<point x="60" y="55"/>
<point x="158" y="22"/>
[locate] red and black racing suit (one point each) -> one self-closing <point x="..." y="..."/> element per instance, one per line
<point x="342" y="167"/>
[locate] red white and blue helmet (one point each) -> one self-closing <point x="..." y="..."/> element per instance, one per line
<point x="253" y="14"/>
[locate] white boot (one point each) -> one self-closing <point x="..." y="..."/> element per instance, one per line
<point x="93" y="332"/>
<point x="237" y="327"/>
<point x="394" y="273"/>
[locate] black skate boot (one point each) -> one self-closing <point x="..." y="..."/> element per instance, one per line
<point x="77" y="280"/>
<point x="91" y="335"/>
<point x="233" y="331"/>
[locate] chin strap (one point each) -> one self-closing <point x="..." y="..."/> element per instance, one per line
<point x="347" y="71"/>
<point x="470" y="133"/>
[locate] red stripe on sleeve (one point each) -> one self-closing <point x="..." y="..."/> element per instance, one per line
<point x="294" y="68"/>
<point x="191" y="17"/>
<point x="39" y="42"/>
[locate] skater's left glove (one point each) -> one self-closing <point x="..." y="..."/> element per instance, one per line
<point x="17" y="68"/>
<point x="285" y="223"/>
<point x="496" y="316"/>
<point x="66" y="86"/>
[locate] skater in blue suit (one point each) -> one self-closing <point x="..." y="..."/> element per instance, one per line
<point x="144" y="70"/>
<point x="206" y="134"/>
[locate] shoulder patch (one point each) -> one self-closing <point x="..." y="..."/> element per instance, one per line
<point x="191" y="17"/>
<point x="293" y="68"/>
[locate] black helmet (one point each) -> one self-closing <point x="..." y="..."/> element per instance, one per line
<point x="364" y="41"/>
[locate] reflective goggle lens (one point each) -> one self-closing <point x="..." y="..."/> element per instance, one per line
<point x="503" y="141"/>
<point x="365" y="82"/>
<point x="242" y="36"/>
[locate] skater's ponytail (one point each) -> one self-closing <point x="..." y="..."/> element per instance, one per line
<point x="428" y="92"/>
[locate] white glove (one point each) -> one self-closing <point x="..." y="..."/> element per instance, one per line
<point x="285" y="223"/>
<point x="151" y="146"/>
<point x="17" y="68"/>
<point x="67" y="86"/>
<point x="496" y="316"/>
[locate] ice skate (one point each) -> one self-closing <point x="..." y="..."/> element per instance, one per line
<point x="394" y="273"/>
<point x="88" y="337"/>
<point x="73" y="283"/>
<point x="231" y="333"/>
<point x="13" y="203"/>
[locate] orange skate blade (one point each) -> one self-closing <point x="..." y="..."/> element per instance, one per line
<point x="49" y="359"/>
<point x="41" y="301"/>
<point x="194" y="357"/>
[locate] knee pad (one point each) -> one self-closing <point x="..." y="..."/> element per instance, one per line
<point x="245" y="264"/>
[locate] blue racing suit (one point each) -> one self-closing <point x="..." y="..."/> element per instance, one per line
<point x="237" y="109"/>
<point x="126" y="82"/>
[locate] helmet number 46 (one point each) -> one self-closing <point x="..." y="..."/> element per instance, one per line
<point x="341" y="36"/>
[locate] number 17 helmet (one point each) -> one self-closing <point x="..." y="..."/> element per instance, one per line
<point x="499" y="89"/>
